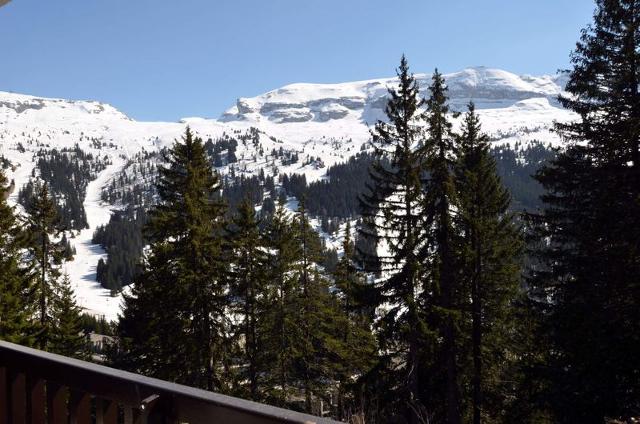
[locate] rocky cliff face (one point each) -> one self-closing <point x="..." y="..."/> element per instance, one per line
<point x="365" y="100"/>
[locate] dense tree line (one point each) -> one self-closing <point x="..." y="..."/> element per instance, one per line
<point x="255" y="188"/>
<point x="337" y="195"/>
<point x="256" y="295"/>
<point x="98" y="325"/>
<point x="333" y="200"/>
<point x="122" y="239"/>
<point x="67" y="173"/>
<point x="134" y="185"/>
<point x="222" y="151"/>
<point x="265" y="321"/>
<point x="516" y="165"/>
<point x="447" y="261"/>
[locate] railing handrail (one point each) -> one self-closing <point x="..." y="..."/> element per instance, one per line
<point x="133" y="389"/>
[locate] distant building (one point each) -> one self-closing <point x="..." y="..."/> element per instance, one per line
<point x="98" y="343"/>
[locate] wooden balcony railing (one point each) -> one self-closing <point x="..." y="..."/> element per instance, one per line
<point x="38" y="387"/>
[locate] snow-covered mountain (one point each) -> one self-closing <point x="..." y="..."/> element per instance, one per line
<point x="326" y="122"/>
<point x="365" y="100"/>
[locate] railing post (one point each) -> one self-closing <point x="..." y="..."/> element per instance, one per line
<point x="36" y="400"/>
<point x="4" y="397"/>
<point x="18" y="397"/>
<point x="134" y="416"/>
<point x="56" y="403"/>
<point x="106" y="412"/>
<point x="80" y="407"/>
<point x="157" y="409"/>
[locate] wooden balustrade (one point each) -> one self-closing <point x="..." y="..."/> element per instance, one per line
<point x="38" y="387"/>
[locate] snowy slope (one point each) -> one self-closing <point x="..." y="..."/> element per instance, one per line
<point x="326" y="121"/>
<point x="82" y="270"/>
<point x="507" y="100"/>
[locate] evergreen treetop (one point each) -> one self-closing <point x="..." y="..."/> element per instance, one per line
<point x="68" y="338"/>
<point x="174" y="325"/>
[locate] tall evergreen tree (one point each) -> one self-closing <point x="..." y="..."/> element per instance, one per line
<point x="587" y="286"/>
<point x="67" y="339"/>
<point x="490" y="269"/>
<point x="312" y="360"/>
<point x="47" y="255"/>
<point x="439" y="268"/>
<point x="15" y="305"/>
<point x="356" y="346"/>
<point x="174" y="325"/>
<point x="392" y="215"/>
<point x="281" y="320"/>
<point x="304" y="326"/>
<point x="248" y="259"/>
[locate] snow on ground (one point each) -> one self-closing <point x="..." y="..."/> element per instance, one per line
<point x="24" y="164"/>
<point x="90" y="295"/>
<point x="325" y="123"/>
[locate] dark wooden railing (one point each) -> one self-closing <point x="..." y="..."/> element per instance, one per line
<point x="38" y="387"/>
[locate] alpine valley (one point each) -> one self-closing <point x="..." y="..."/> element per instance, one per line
<point x="301" y="139"/>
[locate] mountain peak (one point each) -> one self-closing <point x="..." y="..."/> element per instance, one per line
<point x="22" y="106"/>
<point x="365" y="100"/>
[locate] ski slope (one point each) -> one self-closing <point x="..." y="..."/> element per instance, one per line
<point x="90" y="295"/>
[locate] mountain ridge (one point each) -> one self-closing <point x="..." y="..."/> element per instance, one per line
<point x="321" y="124"/>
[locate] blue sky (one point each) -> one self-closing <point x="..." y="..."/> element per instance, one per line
<point x="163" y="60"/>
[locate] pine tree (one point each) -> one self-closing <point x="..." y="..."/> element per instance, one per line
<point x="47" y="255"/>
<point x="15" y="301"/>
<point x="68" y="250"/>
<point x="587" y="286"/>
<point x="439" y="267"/>
<point x="490" y="249"/>
<point x="281" y="320"/>
<point x="67" y="339"/>
<point x="311" y="364"/>
<point x="356" y="346"/>
<point x="351" y="283"/>
<point x="248" y="259"/>
<point x="302" y="327"/>
<point x="174" y="325"/>
<point x="392" y="215"/>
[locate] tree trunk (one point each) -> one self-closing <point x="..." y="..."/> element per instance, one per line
<point x="476" y="317"/>
<point x="447" y="281"/>
<point x="477" y="343"/>
<point x="43" y="291"/>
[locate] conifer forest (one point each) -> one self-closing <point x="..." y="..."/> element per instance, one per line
<point x="473" y="282"/>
